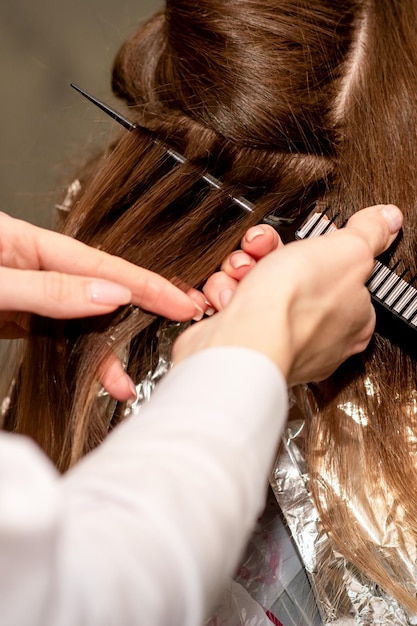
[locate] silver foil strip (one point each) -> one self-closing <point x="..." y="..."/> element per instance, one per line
<point x="345" y="597"/>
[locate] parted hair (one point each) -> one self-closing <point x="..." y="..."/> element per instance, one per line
<point x="290" y="103"/>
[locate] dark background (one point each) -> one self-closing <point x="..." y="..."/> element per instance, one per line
<point x="45" y="127"/>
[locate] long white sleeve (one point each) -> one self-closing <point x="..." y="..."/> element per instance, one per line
<point x="147" y="528"/>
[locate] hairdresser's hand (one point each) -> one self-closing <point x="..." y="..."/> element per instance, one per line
<point x="305" y="305"/>
<point x="257" y="242"/>
<point x="56" y="276"/>
<point x="75" y="281"/>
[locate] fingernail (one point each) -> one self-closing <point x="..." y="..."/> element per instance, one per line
<point x="225" y="296"/>
<point x="255" y="231"/>
<point x="393" y="216"/>
<point x="199" y="315"/>
<point x="239" y="259"/>
<point x="106" y="292"/>
<point x="210" y="311"/>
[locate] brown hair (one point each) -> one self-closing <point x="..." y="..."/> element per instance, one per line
<point x="290" y="103"/>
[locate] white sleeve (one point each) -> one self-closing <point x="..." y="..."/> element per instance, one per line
<point x="148" y="527"/>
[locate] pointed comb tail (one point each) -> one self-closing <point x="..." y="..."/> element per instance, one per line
<point x="123" y="121"/>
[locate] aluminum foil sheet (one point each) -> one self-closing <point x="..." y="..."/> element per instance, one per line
<point x="166" y="337"/>
<point x="73" y="192"/>
<point x="351" y="599"/>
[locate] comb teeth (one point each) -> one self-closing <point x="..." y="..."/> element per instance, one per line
<point x="309" y="228"/>
<point x="379" y="277"/>
<point x="330" y="223"/>
<point x="388" y="289"/>
<point x="316" y="226"/>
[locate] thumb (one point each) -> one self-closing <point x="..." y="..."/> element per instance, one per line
<point x="58" y="295"/>
<point x="378" y="226"/>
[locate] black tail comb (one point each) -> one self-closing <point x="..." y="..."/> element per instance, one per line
<point x="243" y="203"/>
<point x="394" y="298"/>
<point x="120" y="119"/>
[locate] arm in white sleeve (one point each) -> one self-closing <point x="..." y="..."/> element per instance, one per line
<point x="148" y="527"/>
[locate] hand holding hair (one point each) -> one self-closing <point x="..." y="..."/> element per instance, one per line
<point x="56" y="276"/>
<point x="77" y="280"/>
<point x="305" y="305"/>
<point x="257" y="242"/>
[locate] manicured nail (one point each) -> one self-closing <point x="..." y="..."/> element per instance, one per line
<point x="393" y="216"/>
<point x="255" y="231"/>
<point x="239" y="259"/>
<point x="210" y="311"/>
<point x="199" y="315"/>
<point x="225" y="296"/>
<point x="106" y="292"/>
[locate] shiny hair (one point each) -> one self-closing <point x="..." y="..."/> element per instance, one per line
<point x="290" y="103"/>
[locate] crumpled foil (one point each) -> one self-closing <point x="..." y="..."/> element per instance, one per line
<point x="352" y="599"/>
<point x="166" y="337"/>
<point x="73" y="191"/>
